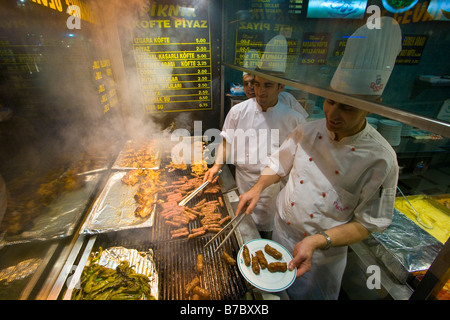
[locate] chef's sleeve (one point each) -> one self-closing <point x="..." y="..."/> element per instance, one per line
<point x="230" y="124"/>
<point x="281" y="161"/>
<point x="376" y="210"/>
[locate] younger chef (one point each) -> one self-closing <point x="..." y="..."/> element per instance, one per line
<point x="283" y="96"/>
<point x="342" y="172"/>
<point x="252" y="132"/>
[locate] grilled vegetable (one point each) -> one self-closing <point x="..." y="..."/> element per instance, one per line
<point x="101" y="283"/>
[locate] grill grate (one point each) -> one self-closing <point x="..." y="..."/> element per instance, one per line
<point x="176" y="259"/>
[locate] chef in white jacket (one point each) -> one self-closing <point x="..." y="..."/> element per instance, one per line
<point x="342" y="173"/>
<point x="283" y="96"/>
<point x="253" y="130"/>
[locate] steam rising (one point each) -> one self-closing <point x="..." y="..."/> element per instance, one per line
<point x="65" y="117"/>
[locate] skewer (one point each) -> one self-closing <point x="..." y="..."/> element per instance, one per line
<point x="239" y="220"/>
<point x="194" y="193"/>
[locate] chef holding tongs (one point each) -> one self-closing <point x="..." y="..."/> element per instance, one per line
<point x="252" y="131"/>
<point x="342" y="173"/>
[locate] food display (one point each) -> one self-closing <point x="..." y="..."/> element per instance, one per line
<point x="147" y="201"/>
<point x="433" y="214"/>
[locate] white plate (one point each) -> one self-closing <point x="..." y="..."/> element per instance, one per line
<point x="266" y="280"/>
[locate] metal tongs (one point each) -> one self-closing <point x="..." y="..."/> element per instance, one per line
<point x="419" y="220"/>
<point x="194" y="193"/>
<point x="238" y="219"/>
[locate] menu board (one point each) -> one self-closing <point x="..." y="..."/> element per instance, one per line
<point x="105" y="84"/>
<point x="247" y="39"/>
<point x="314" y="48"/>
<point x="412" y="48"/>
<point x="173" y="55"/>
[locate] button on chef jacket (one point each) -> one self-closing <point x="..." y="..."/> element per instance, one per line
<point x="331" y="183"/>
<point x="254" y="136"/>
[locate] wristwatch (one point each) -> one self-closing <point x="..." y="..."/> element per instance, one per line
<point x="327" y="237"/>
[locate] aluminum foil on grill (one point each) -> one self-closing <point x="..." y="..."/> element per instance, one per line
<point x="114" y="209"/>
<point x="20" y="271"/>
<point x="140" y="262"/>
<point x="60" y="217"/>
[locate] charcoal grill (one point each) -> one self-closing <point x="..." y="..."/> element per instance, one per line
<point x="175" y="259"/>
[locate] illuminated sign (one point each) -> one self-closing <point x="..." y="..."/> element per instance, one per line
<point x="172" y="51"/>
<point x="338" y="9"/>
<point x="62" y="5"/>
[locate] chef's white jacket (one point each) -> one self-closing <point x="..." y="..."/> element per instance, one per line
<point x="331" y="183"/>
<point x="289" y="99"/>
<point x="253" y="136"/>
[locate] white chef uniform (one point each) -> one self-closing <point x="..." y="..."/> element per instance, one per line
<point x="289" y="99"/>
<point x="331" y="183"/>
<point x="250" y="155"/>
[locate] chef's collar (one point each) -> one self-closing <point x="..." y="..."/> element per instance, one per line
<point x="348" y="139"/>
<point x="270" y="109"/>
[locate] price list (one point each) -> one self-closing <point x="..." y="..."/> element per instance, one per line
<point x="173" y="60"/>
<point x="412" y="48"/>
<point x="314" y="48"/>
<point x="247" y="41"/>
<point x="105" y="84"/>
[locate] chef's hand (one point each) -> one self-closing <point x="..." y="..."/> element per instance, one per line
<point x="303" y="253"/>
<point x="248" y="201"/>
<point x="210" y="174"/>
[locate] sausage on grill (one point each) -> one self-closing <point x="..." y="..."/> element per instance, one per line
<point x="228" y="259"/>
<point x="199" y="263"/>
<point x="191" y="285"/>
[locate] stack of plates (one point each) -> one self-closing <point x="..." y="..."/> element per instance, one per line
<point x="372" y="121"/>
<point x="391" y="130"/>
<point x="406" y="130"/>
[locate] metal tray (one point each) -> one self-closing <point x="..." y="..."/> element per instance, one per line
<point x="60" y="218"/>
<point x="404" y="247"/>
<point x="114" y="208"/>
